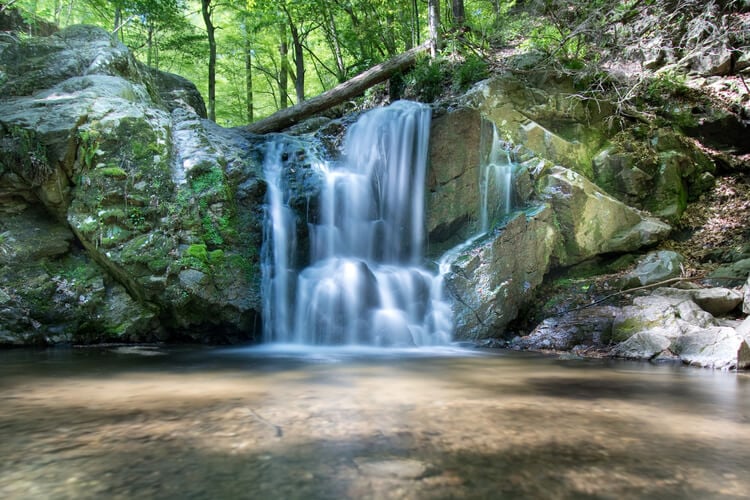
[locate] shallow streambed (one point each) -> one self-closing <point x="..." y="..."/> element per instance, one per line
<point x="280" y="423"/>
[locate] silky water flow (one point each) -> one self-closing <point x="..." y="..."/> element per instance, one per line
<point x="366" y="282"/>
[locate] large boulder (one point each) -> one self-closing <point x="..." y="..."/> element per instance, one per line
<point x="51" y="292"/>
<point x="669" y="324"/>
<point x="119" y="159"/>
<point x="541" y="115"/>
<point x="490" y="280"/>
<point x="660" y="172"/>
<point x="717" y="347"/>
<point x="591" y="222"/>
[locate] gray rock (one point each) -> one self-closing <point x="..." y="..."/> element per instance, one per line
<point x="591" y="222"/>
<point x="643" y="345"/>
<point x="716" y="347"/>
<point x="138" y="185"/>
<point x="744" y="328"/>
<point x="490" y="280"/>
<point x="717" y="301"/>
<point x="587" y="327"/>
<point x="654" y="268"/>
<point x="734" y="274"/>
<point x="452" y="178"/>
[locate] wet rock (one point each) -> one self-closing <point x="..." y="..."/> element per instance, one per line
<point x="586" y="327"/>
<point x="452" y="204"/>
<point x="119" y="156"/>
<point x="492" y="279"/>
<point x="541" y="117"/>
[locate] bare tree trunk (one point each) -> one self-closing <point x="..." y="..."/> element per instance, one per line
<point x="150" y="45"/>
<point x="284" y="68"/>
<point x="415" y="23"/>
<point x="459" y="14"/>
<point x="433" y="16"/>
<point x="333" y="41"/>
<point x="343" y="92"/>
<point x="248" y="74"/>
<point x="207" y="11"/>
<point x="299" y="64"/>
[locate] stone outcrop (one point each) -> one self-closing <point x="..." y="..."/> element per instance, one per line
<point x="652" y="168"/>
<point x="488" y="286"/>
<point x="668" y="324"/>
<point x="591" y="222"/>
<point x="453" y="178"/>
<point x="155" y="212"/>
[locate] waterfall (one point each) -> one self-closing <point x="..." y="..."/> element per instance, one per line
<point x="495" y="183"/>
<point x="365" y="283"/>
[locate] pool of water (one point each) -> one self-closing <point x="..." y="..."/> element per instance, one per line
<point x="280" y="422"/>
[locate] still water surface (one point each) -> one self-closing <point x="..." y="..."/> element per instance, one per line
<point x="279" y="423"/>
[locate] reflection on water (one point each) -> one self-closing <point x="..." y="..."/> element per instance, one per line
<point x="279" y="423"/>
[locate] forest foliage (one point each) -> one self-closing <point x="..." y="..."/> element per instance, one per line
<point x="267" y="55"/>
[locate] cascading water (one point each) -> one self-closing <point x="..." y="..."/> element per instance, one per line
<point x="364" y="284"/>
<point x="496" y="183"/>
<point x="496" y="196"/>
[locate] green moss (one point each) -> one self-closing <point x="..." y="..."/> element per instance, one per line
<point x="196" y="257"/>
<point x="197" y="251"/>
<point x="247" y="264"/>
<point x="207" y="179"/>
<point x="624" y="330"/>
<point x="216" y="257"/>
<point x="112" y="172"/>
<point x="137" y="218"/>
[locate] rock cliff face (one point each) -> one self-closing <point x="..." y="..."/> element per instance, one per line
<point x="577" y="178"/>
<point x="125" y="215"/>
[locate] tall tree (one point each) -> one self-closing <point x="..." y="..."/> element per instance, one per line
<point x="297" y="56"/>
<point x="433" y="18"/>
<point x="207" y="10"/>
<point x="248" y="52"/>
<point x="283" y="67"/>
<point x="459" y="14"/>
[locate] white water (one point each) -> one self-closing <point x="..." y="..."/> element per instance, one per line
<point x="364" y="284"/>
<point x="495" y="184"/>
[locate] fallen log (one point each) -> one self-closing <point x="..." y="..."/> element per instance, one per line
<point x="342" y="92"/>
